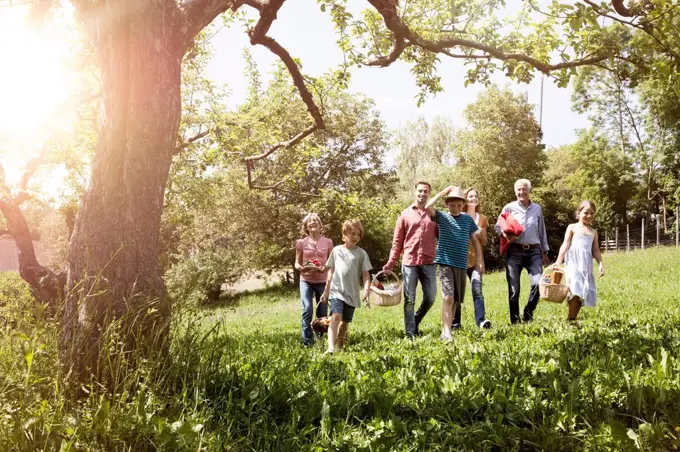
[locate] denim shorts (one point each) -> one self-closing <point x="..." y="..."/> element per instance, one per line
<point x="339" y="306"/>
<point x="453" y="282"/>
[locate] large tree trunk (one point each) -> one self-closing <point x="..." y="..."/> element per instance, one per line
<point x="113" y="254"/>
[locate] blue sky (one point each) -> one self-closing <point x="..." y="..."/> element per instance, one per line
<point x="308" y="34"/>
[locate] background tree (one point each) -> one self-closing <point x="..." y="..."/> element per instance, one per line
<point x="213" y="209"/>
<point x="662" y="181"/>
<point x="423" y="152"/>
<point x="593" y="169"/>
<point x="502" y="142"/>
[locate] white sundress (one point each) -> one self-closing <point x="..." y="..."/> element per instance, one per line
<point x="579" y="262"/>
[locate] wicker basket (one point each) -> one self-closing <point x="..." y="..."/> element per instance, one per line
<point x="554" y="293"/>
<point x="380" y="297"/>
<point x="320" y="325"/>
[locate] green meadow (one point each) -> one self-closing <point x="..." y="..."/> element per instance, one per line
<point x="237" y="377"/>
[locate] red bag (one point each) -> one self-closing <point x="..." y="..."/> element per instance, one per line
<point x="509" y="225"/>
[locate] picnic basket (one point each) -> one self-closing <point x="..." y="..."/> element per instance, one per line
<point x="552" y="287"/>
<point x="387" y="296"/>
<point x="320" y="325"/>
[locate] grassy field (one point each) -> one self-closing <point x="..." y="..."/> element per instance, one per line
<point x="239" y="378"/>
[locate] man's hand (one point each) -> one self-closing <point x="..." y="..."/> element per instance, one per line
<point x="512" y="238"/>
<point x="546" y="261"/>
<point x="324" y="297"/>
<point x="387" y="268"/>
<point x="601" y="269"/>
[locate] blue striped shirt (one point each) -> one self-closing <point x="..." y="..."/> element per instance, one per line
<point x="454" y="236"/>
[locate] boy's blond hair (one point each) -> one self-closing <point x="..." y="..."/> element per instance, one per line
<point x="349" y="224"/>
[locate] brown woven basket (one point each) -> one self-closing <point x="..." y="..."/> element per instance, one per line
<point x="385" y="298"/>
<point x="554" y="293"/>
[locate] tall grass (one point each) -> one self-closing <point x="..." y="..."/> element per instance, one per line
<point x="238" y="378"/>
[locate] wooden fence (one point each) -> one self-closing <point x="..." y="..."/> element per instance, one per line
<point x="648" y="233"/>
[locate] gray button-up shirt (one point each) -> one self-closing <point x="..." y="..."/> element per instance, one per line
<point x="531" y="219"/>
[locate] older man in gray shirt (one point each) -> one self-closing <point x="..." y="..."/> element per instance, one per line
<point x="528" y="250"/>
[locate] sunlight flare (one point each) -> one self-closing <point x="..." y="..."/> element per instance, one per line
<point x="35" y="81"/>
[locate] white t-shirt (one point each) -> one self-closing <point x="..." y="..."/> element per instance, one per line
<point x="348" y="265"/>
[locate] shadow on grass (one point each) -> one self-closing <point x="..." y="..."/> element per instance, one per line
<point x="271" y="293"/>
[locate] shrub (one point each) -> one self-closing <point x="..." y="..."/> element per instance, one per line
<point x="198" y="279"/>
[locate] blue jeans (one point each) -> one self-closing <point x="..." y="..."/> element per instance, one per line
<point x="307" y="292"/>
<point x="477" y="299"/>
<point x="518" y="259"/>
<point x="427" y="275"/>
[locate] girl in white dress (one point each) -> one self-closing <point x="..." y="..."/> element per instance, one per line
<point x="580" y="247"/>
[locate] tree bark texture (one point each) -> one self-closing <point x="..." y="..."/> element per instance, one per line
<point x="113" y="253"/>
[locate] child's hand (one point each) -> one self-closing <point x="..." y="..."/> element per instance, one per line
<point x="601" y="269"/>
<point x="366" y="299"/>
<point x="324" y="297"/>
<point x="480" y="268"/>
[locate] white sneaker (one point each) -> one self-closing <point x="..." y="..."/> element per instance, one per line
<point x="330" y="351"/>
<point x="446" y="337"/>
<point x="486" y="324"/>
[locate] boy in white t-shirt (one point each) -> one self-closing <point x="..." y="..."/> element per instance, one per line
<point x="348" y="269"/>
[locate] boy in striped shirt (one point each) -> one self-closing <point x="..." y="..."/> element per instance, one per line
<point x="456" y="231"/>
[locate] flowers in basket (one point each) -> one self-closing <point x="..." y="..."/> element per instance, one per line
<point x="388" y="288"/>
<point x="320" y="325"/>
<point x="385" y="289"/>
<point x="312" y="263"/>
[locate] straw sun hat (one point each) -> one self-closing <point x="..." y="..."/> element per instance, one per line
<point x="455" y="193"/>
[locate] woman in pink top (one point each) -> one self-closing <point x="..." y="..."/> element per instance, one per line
<point x="311" y="254"/>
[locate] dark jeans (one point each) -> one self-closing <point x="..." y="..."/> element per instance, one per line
<point x="518" y="259"/>
<point x="309" y="291"/>
<point x="427" y="275"/>
<point x="477" y="299"/>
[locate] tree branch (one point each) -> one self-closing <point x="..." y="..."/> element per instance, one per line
<point x="197" y="14"/>
<point x="388" y="10"/>
<point x="275" y="186"/>
<point x="646" y="28"/>
<point x="293" y="69"/>
<point x="399" y="46"/>
<point x="463" y="56"/>
<point x="622" y="10"/>
<point x="46" y="285"/>
<point x="188" y="141"/>
<point x="31" y="168"/>
<point x="284" y="144"/>
<point x="258" y="36"/>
